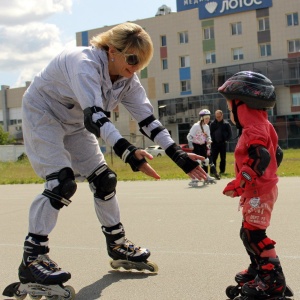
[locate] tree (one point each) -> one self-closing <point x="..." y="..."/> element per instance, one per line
<point x="5" y="139"/>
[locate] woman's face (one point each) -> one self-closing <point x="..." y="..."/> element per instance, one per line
<point x="123" y="64"/>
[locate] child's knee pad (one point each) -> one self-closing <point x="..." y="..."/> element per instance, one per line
<point x="256" y="240"/>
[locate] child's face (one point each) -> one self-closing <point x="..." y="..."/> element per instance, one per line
<point x="206" y="119"/>
<point x="229" y="105"/>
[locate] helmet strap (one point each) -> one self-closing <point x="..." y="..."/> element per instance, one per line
<point x="235" y="114"/>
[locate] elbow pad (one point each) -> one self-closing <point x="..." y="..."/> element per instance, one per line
<point x="154" y="132"/>
<point x="259" y="159"/>
<point x="90" y="125"/>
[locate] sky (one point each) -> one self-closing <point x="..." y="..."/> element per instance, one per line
<point x="32" y="32"/>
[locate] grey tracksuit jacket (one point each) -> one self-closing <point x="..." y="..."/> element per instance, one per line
<point x="53" y="128"/>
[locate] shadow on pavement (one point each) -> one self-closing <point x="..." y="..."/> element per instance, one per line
<point x="94" y="291"/>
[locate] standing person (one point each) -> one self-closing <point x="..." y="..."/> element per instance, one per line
<point x="200" y="141"/>
<point x="221" y="133"/>
<point x="64" y="112"/>
<point x="257" y="157"/>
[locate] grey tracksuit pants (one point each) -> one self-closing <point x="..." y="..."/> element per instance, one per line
<point x="51" y="145"/>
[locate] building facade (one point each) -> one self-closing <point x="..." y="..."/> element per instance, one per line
<point x="204" y="43"/>
<point x="200" y="46"/>
<point x="11" y="110"/>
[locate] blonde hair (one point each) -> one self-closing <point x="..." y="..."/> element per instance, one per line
<point x="124" y="37"/>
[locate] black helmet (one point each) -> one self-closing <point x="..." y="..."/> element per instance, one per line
<point x="254" y="89"/>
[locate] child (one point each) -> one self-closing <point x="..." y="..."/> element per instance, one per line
<point x="200" y="141"/>
<point x="257" y="157"/>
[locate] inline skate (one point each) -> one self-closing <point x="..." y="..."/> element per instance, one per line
<point x="194" y="183"/>
<point x="264" y="281"/>
<point x="209" y="179"/>
<point x="39" y="275"/>
<point x="124" y="253"/>
<point x="241" y="278"/>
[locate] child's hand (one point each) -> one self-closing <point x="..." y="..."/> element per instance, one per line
<point x="245" y="179"/>
<point x="233" y="189"/>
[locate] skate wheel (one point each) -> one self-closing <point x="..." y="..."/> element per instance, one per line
<point x="20" y="297"/>
<point x="113" y="266"/>
<point x="232" y="292"/>
<point x="70" y="291"/>
<point x="153" y="267"/>
<point x="53" y="297"/>
<point x="35" y="297"/>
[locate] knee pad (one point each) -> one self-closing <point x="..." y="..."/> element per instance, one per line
<point x="61" y="194"/>
<point x="256" y="241"/>
<point x="103" y="183"/>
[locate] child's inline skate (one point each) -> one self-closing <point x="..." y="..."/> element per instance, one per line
<point x="124" y="253"/>
<point x="261" y="282"/>
<point x="209" y="179"/>
<point x="39" y="275"/>
<point x="241" y="278"/>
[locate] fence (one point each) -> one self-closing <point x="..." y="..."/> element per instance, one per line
<point x="287" y="128"/>
<point x="11" y="152"/>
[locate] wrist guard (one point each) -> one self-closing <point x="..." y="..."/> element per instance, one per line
<point x="234" y="186"/>
<point x="90" y="125"/>
<point x="126" y="151"/>
<point x="248" y="176"/>
<point x="181" y="158"/>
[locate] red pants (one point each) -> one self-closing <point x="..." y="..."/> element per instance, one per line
<point x="257" y="211"/>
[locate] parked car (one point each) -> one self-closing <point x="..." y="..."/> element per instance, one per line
<point x="156" y="150"/>
<point x="186" y="148"/>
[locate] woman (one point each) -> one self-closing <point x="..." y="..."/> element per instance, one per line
<point x="65" y="110"/>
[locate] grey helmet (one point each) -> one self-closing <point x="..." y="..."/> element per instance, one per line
<point x="254" y="89"/>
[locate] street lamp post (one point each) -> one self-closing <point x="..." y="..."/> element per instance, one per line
<point x="162" y="108"/>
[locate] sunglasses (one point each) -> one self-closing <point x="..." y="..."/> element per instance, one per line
<point x="131" y="59"/>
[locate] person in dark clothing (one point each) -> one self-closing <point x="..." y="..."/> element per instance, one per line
<point x="221" y="133"/>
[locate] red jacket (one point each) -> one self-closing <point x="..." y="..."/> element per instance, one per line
<point x="256" y="127"/>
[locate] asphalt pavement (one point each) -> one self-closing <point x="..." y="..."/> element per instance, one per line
<point x="193" y="235"/>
